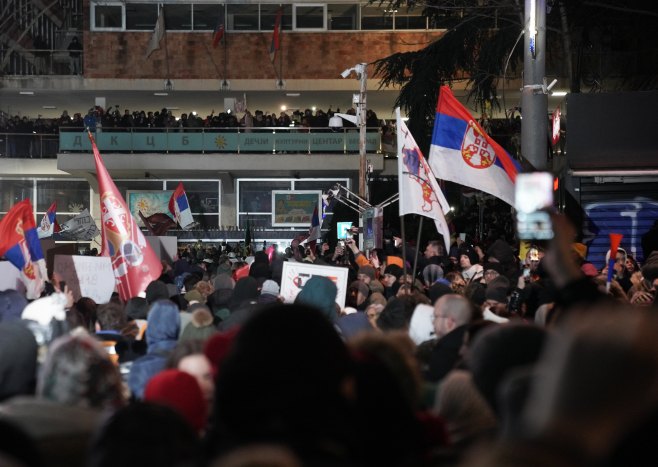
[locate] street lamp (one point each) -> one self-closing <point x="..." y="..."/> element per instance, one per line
<point x="360" y="100"/>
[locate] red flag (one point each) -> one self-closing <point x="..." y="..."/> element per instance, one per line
<point x="134" y="263"/>
<point x="275" y="45"/>
<point x="218" y="33"/>
<point x="615" y="240"/>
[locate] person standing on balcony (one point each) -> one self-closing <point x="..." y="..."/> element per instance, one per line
<point x="75" y="53"/>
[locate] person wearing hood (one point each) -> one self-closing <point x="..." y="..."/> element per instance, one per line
<point x="320" y="293"/>
<point x="161" y="337"/>
<point x="12" y="304"/>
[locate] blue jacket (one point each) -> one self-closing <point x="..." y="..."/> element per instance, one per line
<point x="162" y="329"/>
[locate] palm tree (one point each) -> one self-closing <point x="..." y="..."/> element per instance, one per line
<point x="595" y="45"/>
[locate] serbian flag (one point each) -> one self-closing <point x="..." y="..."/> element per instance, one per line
<point x="275" y="45"/>
<point x="180" y="208"/>
<point x="134" y="263"/>
<point x="49" y="224"/>
<point x="314" y="231"/>
<point x="218" y="33"/>
<point x="462" y="152"/>
<point x="19" y="243"/>
<point x="418" y="189"/>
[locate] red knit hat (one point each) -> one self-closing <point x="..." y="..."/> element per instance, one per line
<point x="217" y="347"/>
<point x="181" y="392"/>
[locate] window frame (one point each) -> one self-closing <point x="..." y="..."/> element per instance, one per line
<point x="92" y="16"/>
<point x="307" y="5"/>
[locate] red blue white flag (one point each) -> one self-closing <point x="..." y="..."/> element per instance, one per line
<point x="275" y="45"/>
<point x="218" y="33"/>
<point x="49" y="224"/>
<point x="19" y="243"/>
<point x="418" y="189"/>
<point x="462" y="152"/>
<point x="134" y="263"/>
<point x="180" y="208"/>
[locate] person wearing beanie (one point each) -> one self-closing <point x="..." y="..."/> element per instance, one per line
<point x="494" y="307"/>
<point x="366" y="274"/>
<point x="357" y="294"/>
<point x="180" y="391"/>
<point x="269" y="292"/>
<point x="200" y="326"/>
<point x="156" y="290"/>
<point x="320" y="292"/>
<point x="491" y="271"/>
<point x="469" y="262"/>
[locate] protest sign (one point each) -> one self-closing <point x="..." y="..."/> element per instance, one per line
<point x="295" y="275"/>
<point x="87" y="276"/>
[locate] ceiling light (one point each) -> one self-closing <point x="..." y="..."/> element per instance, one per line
<point x="559" y="93"/>
<point x="160" y="93"/>
<point x="26" y="93"/>
<point x="292" y="94"/>
<point x="49" y="107"/>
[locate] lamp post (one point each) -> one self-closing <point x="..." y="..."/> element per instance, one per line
<point x="361" y="70"/>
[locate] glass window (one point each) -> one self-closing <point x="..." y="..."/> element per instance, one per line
<point x="13" y="191"/>
<point x="242" y="18"/>
<point x="373" y="17"/>
<point x="178" y="17"/>
<point x="137" y="185"/>
<point x="342" y="17"/>
<point x="410" y="21"/>
<point x="268" y="17"/>
<point x="141" y="16"/>
<point x="107" y="16"/>
<point x="310" y="16"/>
<point x="322" y="185"/>
<point x="255" y="222"/>
<point x="256" y="196"/>
<point x="206" y="221"/>
<point x="203" y="196"/>
<point x="206" y="16"/>
<point x="71" y="195"/>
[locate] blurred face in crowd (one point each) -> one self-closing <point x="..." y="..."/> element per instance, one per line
<point x="465" y="262"/>
<point x="388" y="280"/>
<point x="431" y="250"/>
<point x="198" y="366"/>
<point x="490" y="275"/>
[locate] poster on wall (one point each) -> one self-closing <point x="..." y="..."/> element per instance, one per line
<point x="148" y="202"/>
<point x="295" y="275"/>
<point x="294" y="208"/>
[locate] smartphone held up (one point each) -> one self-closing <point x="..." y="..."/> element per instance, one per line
<point x="533" y="202"/>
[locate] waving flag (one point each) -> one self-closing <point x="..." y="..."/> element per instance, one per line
<point x="49" y="224"/>
<point x="462" y="152"/>
<point x="134" y="263"/>
<point x="218" y="33"/>
<point x="419" y="191"/>
<point x="275" y="45"/>
<point x="81" y="227"/>
<point x="158" y="34"/>
<point x="314" y="231"/>
<point x="19" y="243"/>
<point x="180" y="208"/>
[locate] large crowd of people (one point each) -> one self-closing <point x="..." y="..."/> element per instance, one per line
<point x="36" y="137"/>
<point x="487" y="356"/>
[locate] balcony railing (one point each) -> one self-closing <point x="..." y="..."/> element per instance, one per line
<point x="223" y="140"/>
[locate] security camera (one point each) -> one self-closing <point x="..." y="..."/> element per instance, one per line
<point x="346" y="73"/>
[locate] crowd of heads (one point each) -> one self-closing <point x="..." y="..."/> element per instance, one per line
<point x="487" y="356"/>
<point x="118" y="119"/>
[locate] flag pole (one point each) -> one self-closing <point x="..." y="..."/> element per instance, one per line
<point x="420" y="231"/>
<point x="280" y="52"/>
<point x="404" y="246"/>
<point x="225" y="40"/>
